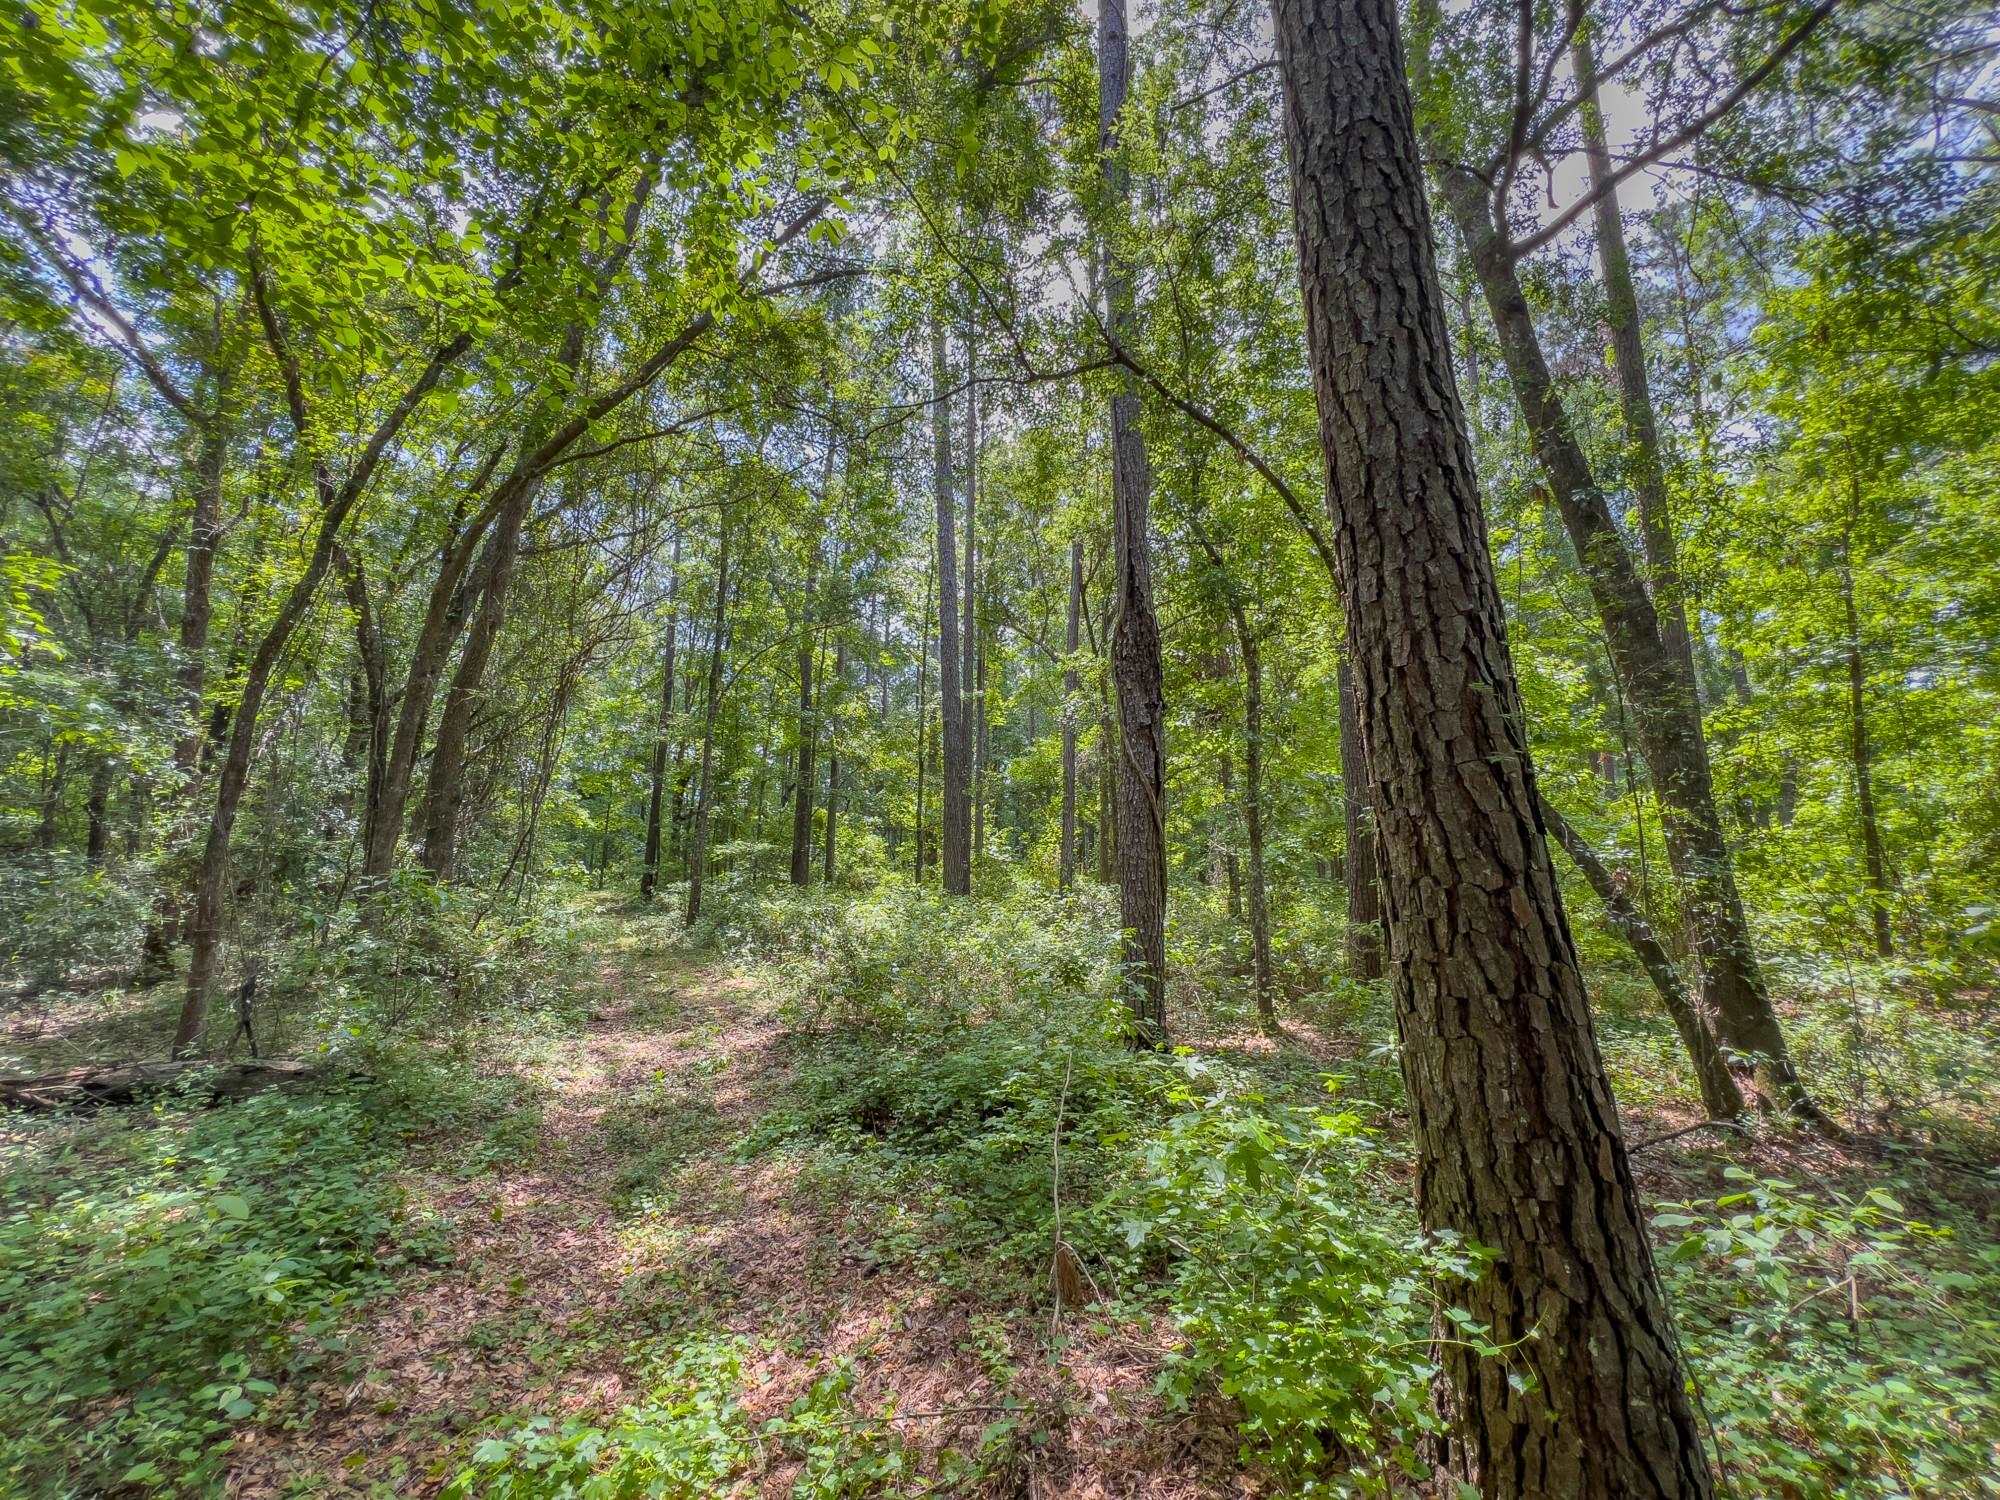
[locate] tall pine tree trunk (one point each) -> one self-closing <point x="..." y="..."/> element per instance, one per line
<point x="1135" y="630"/>
<point x="1517" y="1135"/>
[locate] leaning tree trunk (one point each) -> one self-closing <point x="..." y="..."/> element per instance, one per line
<point x="957" y="788"/>
<point x="656" y="795"/>
<point x="1135" y="632"/>
<point x="1719" y="1093"/>
<point x="1066" y="875"/>
<point x="1518" y="1141"/>
<point x="1364" y="886"/>
<point x="211" y="877"/>
<point x="704" y="788"/>
<point x="1666" y="715"/>
<point x="454" y="591"/>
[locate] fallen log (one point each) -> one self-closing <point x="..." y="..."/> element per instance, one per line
<point x="128" y="1083"/>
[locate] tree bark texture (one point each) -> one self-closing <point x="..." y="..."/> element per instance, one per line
<point x="1517" y="1135"/>
<point x="1364" y="886"/>
<point x="1135" y="630"/>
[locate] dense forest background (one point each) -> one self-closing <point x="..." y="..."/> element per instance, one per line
<point x="809" y="529"/>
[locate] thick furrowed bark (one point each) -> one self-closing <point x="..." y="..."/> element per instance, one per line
<point x="1517" y="1135"/>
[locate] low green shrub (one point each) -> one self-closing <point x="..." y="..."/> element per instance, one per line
<point x="163" y="1272"/>
<point x="1844" y="1348"/>
<point x="691" y="1439"/>
<point x="1301" y="1283"/>
<point x="681" y="1443"/>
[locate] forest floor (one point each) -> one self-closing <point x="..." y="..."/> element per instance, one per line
<point x="631" y="1226"/>
<point x="643" y="1212"/>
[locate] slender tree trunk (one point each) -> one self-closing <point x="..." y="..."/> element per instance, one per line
<point x="444" y="790"/>
<point x="1666" y="716"/>
<point x="1253" y="819"/>
<point x="1719" y="1093"/>
<point x="198" y="591"/>
<point x="923" y="708"/>
<point x="1517" y="1134"/>
<point x="802" y="791"/>
<point x="1135" y="631"/>
<point x="1364" y="886"/>
<point x="957" y="800"/>
<point x="663" y="732"/>
<point x="97" y="834"/>
<point x="1107" y="786"/>
<point x="370" y="729"/>
<point x="1876" y="860"/>
<point x="1067" y="869"/>
<point x="452" y="597"/>
<point x="973" y="680"/>
<point x="163" y="929"/>
<point x="1645" y="460"/>
<point x="828" y="859"/>
<point x="704" y="788"/>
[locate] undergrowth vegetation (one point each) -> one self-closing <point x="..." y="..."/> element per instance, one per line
<point x="958" y="1094"/>
<point x="165" y="1269"/>
<point x="962" y="1073"/>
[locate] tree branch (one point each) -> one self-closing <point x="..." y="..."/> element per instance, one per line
<point x="1793" y="40"/>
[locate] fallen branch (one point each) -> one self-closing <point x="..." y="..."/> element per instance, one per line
<point x="128" y="1083"/>
<point x="1674" y="1135"/>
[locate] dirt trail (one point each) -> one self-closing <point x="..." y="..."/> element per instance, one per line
<point x="629" y="1221"/>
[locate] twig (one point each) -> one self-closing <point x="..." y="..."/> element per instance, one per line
<point x="1674" y="1135"/>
